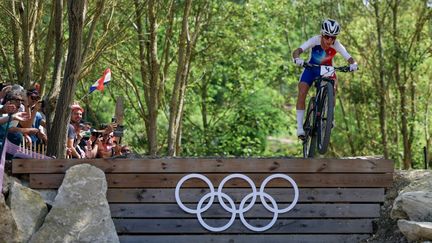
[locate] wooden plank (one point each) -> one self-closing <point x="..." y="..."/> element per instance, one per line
<point x="203" y="165"/>
<point x="170" y="180"/>
<point x="221" y="238"/>
<point x="257" y="211"/>
<point x="282" y="226"/>
<point x="192" y="195"/>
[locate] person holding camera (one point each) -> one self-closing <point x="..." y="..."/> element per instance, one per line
<point x="33" y="108"/>
<point x="88" y="142"/>
<point x="10" y="106"/>
<point x="106" y="145"/>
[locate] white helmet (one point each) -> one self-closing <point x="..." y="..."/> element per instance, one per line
<point x="330" y="27"/>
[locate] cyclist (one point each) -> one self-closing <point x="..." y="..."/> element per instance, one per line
<point x="324" y="48"/>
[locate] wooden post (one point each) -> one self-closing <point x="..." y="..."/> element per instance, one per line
<point x="119" y="114"/>
<point x="119" y="111"/>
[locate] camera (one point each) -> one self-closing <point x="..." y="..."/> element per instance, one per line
<point x="118" y="132"/>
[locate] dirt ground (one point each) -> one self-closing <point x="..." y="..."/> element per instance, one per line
<point x="386" y="228"/>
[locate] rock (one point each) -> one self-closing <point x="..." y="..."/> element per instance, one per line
<point x="8" y="228"/>
<point x="48" y="195"/>
<point x="7" y="182"/>
<point x="80" y="212"/>
<point x="421" y="183"/>
<point x="415" y="206"/>
<point x="28" y="209"/>
<point x="416" y="231"/>
<point x="387" y="228"/>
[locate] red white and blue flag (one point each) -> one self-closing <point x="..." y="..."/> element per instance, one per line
<point x="100" y="83"/>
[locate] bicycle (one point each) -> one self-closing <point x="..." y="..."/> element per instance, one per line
<point x="320" y="111"/>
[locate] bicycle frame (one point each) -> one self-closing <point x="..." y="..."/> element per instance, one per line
<point x="315" y="113"/>
<point x="316" y="136"/>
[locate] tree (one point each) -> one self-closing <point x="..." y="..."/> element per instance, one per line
<point x="57" y="135"/>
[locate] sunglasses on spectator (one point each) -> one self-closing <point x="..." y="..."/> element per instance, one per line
<point x="35" y="97"/>
<point x="17" y="99"/>
<point x="327" y="37"/>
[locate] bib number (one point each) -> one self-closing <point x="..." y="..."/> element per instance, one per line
<point x="327" y="71"/>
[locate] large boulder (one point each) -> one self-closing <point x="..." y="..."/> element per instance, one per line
<point x="48" y="195"/>
<point x="415" y="206"/>
<point x="7" y="182"/>
<point x="416" y="231"/>
<point x="8" y="228"/>
<point x="413" y="209"/>
<point x="421" y="183"/>
<point x="80" y="212"/>
<point x="28" y="209"/>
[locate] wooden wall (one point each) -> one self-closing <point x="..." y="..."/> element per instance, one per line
<point x="338" y="198"/>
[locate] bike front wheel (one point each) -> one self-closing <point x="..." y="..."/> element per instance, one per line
<point x="325" y="118"/>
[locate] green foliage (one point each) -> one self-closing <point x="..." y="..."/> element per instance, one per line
<point x="241" y="132"/>
<point x="242" y="88"/>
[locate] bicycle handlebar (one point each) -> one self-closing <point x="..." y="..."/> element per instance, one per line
<point x="341" y="68"/>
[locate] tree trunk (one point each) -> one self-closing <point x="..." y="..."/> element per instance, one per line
<point x="204" y="115"/>
<point x="57" y="136"/>
<point x="182" y="68"/>
<point x="347" y="131"/>
<point x="16" y="42"/>
<point x="382" y="89"/>
<point x="54" y="91"/>
<point x="48" y="50"/>
<point x="401" y="87"/>
<point x="404" y="128"/>
<point x="153" y="105"/>
<point x="28" y="15"/>
<point x="99" y="10"/>
<point x="143" y="67"/>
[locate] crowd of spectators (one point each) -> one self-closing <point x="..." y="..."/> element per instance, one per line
<point x="84" y="141"/>
<point x="23" y="122"/>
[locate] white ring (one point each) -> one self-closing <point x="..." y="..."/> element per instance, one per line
<point x="216" y="229"/>
<point x="296" y="193"/>
<point x="233" y="210"/>
<point x="177" y="193"/>
<point x="248" y="180"/>
<point x="275" y="213"/>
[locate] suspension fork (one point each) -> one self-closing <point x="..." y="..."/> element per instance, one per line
<point x="318" y="98"/>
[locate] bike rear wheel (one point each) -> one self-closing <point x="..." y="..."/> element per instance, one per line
<point x="325" y="119"/>
<point x="309" y="143"/>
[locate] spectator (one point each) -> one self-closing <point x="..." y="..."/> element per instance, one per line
<point x="125" y="149"/>
<point x="11" y="102"/>
<point x="4" y="90"/>
<point x="74" y="131"/>
<point x="88" y="142"/>
<point x="106" y="145"/>
<point x="37" y="120"/>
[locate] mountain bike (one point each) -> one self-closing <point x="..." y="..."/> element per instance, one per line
<point x="320" y="111"/>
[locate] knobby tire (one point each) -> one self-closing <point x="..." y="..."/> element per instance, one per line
<point x="309" y="143"/>
<point x="326" y="109"/>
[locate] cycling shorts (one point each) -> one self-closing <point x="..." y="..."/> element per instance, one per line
<point x="310" y="74"/>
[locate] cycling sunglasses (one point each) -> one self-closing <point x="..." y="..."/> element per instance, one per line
<point x="327" y="37"/>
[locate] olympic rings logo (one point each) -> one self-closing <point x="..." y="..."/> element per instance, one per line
<point x="232" y="207"/>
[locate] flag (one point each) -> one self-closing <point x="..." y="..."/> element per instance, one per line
<point x="99" y="84"/>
